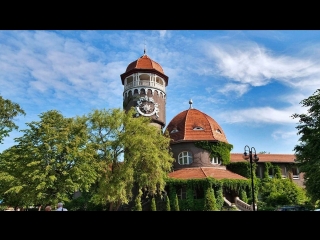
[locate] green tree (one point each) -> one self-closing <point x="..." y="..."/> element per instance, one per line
<point x="153" y="204"/>
<point x="278" y="191"/>
<point x="176" y="203"/>
<point x="168" y="208"/>
<point x="308" y="150"/>
<point x="138" y="206"/>
<point x="132" y="153"/>
<point x="8" y="110"/>
<point x="219" y="198"/>
<point x="51" y="161"/>
<point x="210" y="200"/>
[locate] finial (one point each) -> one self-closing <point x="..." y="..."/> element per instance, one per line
<point x="190" y="102"/>
<point x="144" y="51"/>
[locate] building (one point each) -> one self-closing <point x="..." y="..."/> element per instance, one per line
<point x="286" y="162"/>
<point x="199" y="145"/>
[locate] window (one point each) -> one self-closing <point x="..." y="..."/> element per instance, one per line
<point x="215" y="160"/>
<point x="182" y="193"/>
<point x="198" y="128"/>
<point x="270" y="172"/>
<point x="174" y="130"/>
<point x="284" y="172"/>
<point x="259" y="171"/>
<point x="295" y="173"/>
<point x="185" y="158"/>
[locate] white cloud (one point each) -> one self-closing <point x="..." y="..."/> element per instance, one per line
<point x="259" y="115"/>
<point x="238" y="89"/>
<point x="249" y="63"/>
<point x="284" y="135"/>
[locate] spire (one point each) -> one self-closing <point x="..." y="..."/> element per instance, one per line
<point x="190" y="102"/>
<point x="144" y="51"/>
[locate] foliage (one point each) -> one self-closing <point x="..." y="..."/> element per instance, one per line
<point x="276" y="192"/>
<point x="83" y="203"/>
<point x="176" y="203"/>
<point x="153" y="204"/>
<point x="8" y="111"/>
<point x="267" y="166"/>
<point x="217" y="149"/>
<point x="190" y="198"/>
<point x="51" y="161"/>
<point x="219" y="197"/>
<point x="210" y="203"/>
<point x="138" y="206"/>
<point x="242" y="168"/>
<point x="130" y="151"/>
<point x="168" y="208"/>
<point x="277" y="172"/>
<point x="308" y="151"/>
<point x="243" y="195"/>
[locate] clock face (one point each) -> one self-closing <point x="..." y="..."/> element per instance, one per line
<point x="146" y="106"/>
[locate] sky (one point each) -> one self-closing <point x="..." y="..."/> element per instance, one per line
<point x="249" y="81"/>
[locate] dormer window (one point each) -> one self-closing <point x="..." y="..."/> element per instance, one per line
<point x="218" y="131"/>
<point x="174" y="130"/>
<point x="198" y="128"/>
<point x="215" y="160"/>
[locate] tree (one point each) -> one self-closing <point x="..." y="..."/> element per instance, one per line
<point x="277" y="191"/>
<point x="138" y="206"/>
<point x="219" y="198"/>
<point x="210" y="200"/>
<point x="176" y="206"/>
<point x="168" y="208"/>
<point x="308" y="150"/>
<point x="132" y="154"/>
<point x="153" y="204"/>
<point x="8" y="110"/>
<point x="51" y="161"/>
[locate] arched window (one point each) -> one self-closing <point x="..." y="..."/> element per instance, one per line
<point x="185" y="158"/>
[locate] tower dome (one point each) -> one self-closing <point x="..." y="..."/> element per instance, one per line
<point x="144" y="64"/>
<point x="193" y="125"/>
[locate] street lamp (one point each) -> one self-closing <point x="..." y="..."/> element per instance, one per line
<point x="255" y="159"/>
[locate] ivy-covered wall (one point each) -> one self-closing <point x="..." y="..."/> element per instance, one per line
<point x="190" y="203"/>
<point x="217" y="149"/>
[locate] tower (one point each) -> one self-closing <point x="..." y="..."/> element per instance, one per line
<point x="145" y="84"/>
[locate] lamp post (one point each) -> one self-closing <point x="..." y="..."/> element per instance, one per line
<point x="254" y="159"/>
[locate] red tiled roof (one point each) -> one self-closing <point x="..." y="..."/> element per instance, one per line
<point x="277" y="158"/>
<point x="186" y="121"/>
<point x="204" y="172"/>
<point x="143" y="64"/>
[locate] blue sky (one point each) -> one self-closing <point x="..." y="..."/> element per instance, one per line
<point x="250" y="81"/>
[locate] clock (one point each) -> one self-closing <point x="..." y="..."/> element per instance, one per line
<point x="146" y="106"/>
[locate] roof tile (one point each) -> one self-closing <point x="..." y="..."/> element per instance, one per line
<point x="204" y="172"/>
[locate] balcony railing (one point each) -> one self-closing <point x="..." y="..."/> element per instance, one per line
<point x="144" y="83"/>
<point x="243" y="206"/>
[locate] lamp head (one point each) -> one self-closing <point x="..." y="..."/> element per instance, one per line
<point x="245" y="155"/>
<point x="255" y="158"/>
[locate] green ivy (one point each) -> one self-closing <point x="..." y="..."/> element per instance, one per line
<point x="210" y="203"/>
<point x="241" y="168"/>
<point x="191" y="204"/>
<point x="219" y="197"/>
<point x="217" y="149"/>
